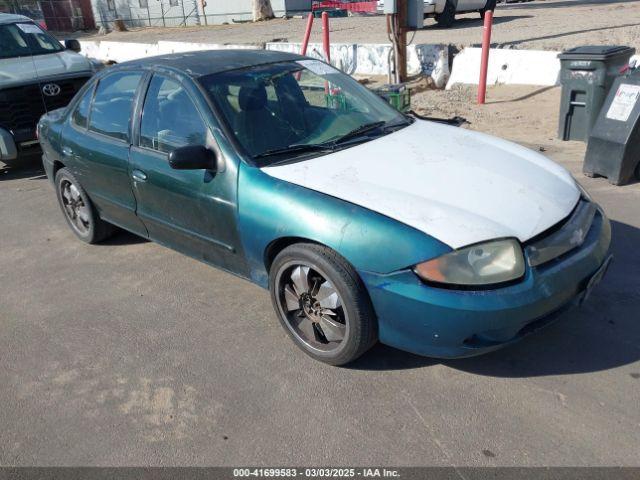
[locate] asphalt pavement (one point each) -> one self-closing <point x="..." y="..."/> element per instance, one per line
<point x="128" y="353"/>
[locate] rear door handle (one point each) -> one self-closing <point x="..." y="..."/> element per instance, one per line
<point x="139" y="176"/>
<point x="67" y="152"/>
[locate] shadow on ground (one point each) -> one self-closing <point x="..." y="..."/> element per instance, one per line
<point x="29" y="167"/>
<point x="569" y="3"/>
<point x="602" y="334"/>
<point x="466" y="22"/>
<point x="564" y="34"/>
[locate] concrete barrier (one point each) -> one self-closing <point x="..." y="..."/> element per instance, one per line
<point x="354" y="59"/>
<point x="177" y="47"/>
<point x="373" y="59"/>
<point x="513" y="67"/>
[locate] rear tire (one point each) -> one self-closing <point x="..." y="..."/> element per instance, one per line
<point x="490" y="5"/>
<point x="322" y="303"/>
<point x="81" y="215"/>
<point x="448" y="15"/>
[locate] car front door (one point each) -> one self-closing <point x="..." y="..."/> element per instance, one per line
<point x="193" y="211"/>
<point x="96" y="145"/>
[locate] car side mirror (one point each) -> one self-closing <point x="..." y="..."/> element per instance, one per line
<point x="73" y="45"/>
<point x="193" y="157"/>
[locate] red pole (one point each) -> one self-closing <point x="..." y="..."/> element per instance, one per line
<point x="325" y="36"/>
<point x="307" y="34"/>
<point x="484" y="64"/>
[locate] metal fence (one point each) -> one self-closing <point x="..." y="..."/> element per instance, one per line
<point x="147" y="13"/>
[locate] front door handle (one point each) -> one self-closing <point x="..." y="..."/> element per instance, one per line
<point x="139" y="176"/>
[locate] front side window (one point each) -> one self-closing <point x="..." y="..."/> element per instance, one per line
<point x="283" y="109"/>
<point x="80" y="115"/>
<point x="23" y="39"/>
<point x="169" y="118"/>
<point x="112" y="104"/>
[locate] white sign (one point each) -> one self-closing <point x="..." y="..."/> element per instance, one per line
<point x="318" y="67"/>
<point x="623" y="103"/>
<point x="29" y="28"/>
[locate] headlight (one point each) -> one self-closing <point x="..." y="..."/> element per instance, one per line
<point x="584" y="193"/>
<point x="488" y="263"/>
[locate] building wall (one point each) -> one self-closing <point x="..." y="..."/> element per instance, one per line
<point x="139" y="13"/>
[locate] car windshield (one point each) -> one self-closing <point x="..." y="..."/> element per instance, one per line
<point x="23" y="39"/>
<point x="283" y="110"/>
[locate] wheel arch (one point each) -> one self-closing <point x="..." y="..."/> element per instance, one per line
<point x="57" y="165"/>
<point x="276" y="246"/>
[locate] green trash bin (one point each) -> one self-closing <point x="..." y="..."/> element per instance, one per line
<point x="586" y="75"/>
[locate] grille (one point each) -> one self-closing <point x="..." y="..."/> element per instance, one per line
<point x="21" y="107"/>
<point x="570" y="234"/>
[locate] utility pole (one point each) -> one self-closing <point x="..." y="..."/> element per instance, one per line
<point x="401" y="62"/>
<point x="397" y="31"/>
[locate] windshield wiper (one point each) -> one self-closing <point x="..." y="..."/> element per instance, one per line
<point x="362" y="129"/>
<point x="295" y="148"/>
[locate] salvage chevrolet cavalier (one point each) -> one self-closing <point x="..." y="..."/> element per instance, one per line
<point x="365" y="224"/>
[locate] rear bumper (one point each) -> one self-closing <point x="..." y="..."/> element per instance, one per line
<point x="446" y="323"/>
<point x="48" y="167"/>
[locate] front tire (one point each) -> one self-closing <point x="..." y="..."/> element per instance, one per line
<point x="490" y="5"/>
<point x="80" y="213"/>
<point x="322" y="303"/>
<point x="448" y="15"/>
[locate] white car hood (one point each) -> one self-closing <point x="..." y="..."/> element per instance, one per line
<point x="459" y="186"/>
<point x="20" y="70"/>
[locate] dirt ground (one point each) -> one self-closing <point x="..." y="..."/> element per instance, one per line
<point x="549" y="25"/>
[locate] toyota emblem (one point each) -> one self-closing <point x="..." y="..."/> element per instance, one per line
<point x="51" y="89"/>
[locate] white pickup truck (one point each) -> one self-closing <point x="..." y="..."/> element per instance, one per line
<point x="37" y="75"/>
<point x="444" y="11"/>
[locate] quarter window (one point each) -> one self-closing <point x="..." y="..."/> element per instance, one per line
<point x="111" y="109"/>
<point x="169" y="118"/>
<point x="81" y="113"/>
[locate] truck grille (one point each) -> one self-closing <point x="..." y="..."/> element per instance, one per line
<point x="21" y="107"/>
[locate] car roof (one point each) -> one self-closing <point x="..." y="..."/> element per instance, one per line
<point x="207" y="62"/>
<point x="11" y="18"/>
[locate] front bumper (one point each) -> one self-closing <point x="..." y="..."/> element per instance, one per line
<point x="447" y="323"/>
<point x="8" y="148"/>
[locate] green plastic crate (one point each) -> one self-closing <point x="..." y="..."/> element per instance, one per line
<point x="398" y="96"/>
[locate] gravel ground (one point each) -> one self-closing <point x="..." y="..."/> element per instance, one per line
<point x="127" y="353"/>
<point x="551" y="25"/>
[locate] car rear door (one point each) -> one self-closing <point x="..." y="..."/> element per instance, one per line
<point x="96" y="146"/>
<point x="193" y="211"/>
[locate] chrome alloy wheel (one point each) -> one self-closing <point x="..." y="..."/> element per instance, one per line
<point x="74" y="207"/>
<point x="312" y="307"/>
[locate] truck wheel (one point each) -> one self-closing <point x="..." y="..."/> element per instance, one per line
<point x="322" y="303"/>
<point x="448" y="15"/>
<point x="490" y="5"/>
<point x="80" y="213"/>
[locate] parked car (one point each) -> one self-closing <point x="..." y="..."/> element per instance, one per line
<point x="37" y="74"/>
<point x="365" y="224"/>
<point x="444" y="11"/>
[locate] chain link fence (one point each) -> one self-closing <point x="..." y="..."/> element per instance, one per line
<point x="147" y="13"/>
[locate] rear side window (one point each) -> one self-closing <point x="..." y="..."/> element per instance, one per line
<point x="169" y="118"/>
<point x="112" y="104"/>
<point x="80" y="115"/>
